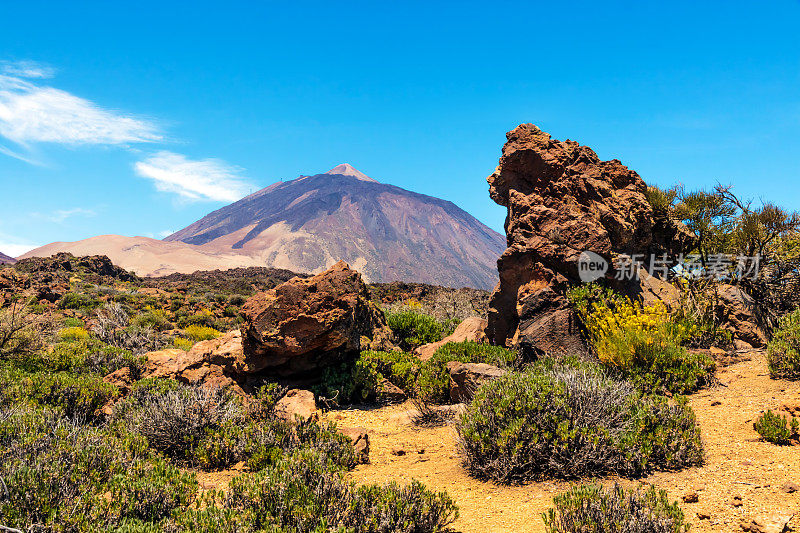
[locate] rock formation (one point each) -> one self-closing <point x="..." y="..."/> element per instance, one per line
<point x="562" y="200"/>
<point x="298" y="328"/>
<point x="470" y="329"/>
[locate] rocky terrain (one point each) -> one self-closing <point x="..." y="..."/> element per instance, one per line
<point x="308" y="224"/>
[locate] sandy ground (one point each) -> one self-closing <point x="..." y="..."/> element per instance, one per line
<point x="738" y="464"/>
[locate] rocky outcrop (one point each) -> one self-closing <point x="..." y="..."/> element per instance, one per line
<point x="562" y="200"/>
<point x="471" y="329"/>
<point x="214" y="362"/>
<point x="297" y="329"/>
<point x="465" y="378"/>
<point x="735" y="310"/>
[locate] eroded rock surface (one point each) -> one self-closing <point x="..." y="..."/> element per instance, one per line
<point x="297" y="329"/>
<point x="562" y="200"/>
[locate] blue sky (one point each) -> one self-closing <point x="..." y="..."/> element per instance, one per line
<point x="138" y="118"/>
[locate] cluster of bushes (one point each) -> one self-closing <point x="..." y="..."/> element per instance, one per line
<point x="360" y="381"/>
<point x="568" y="419"/>
<point x="643" y="343"/>
<point x="123" y="474"/>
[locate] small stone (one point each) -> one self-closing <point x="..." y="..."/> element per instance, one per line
<point x="691" y="497"/>
<point x="715" y="403"/>
<point x="398" y="451"/>
<point x="703" y="515"/>
<point x="736" y="501"/>
<point x="421" y="451"/>
<point x="790" y="487"/>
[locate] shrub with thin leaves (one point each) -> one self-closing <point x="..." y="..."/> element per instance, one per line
<point x="783" y="351"/>
<point x="413" y="328"/>
<point x="591" y="508"/>
<point x="775" y="428"/>
<point x="566" y="422"/>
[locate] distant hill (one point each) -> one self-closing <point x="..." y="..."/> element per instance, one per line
<point x="307" y="224"/>
<point x="6" y="259"/>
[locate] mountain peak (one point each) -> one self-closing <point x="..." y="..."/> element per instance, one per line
<point x="346" y="169"/>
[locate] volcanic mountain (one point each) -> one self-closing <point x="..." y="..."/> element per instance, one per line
<point x="387" y="233"/>
<point x="6" y="259"/>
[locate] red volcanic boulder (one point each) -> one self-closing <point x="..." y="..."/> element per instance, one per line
<point x="304" y="325"/>
<point x="562" y="200"/>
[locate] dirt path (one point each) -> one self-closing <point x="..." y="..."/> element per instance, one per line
<point x="737" y="463"/>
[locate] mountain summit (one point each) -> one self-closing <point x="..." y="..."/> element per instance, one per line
<point x="387" y="233"/>
<point x="346" y="169"/>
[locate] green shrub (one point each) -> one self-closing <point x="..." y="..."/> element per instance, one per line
<point x="433" y="381"/>
<point x="74" y="300"/>
<point x="74" y="395"/>
<point x="776" y="429"/>
<point x="20" y="336"/>
<point x="569" y="422"/>
<point x="412" y="328"/>
<point x="592" y="509"/>
<point x="205" y="319"/>
<point x="73" y="322"/>
<point x="783" y="351"/>
<point x="153" y="318"/>
<point x="88" y="356"/>
<point x="201" y="333"/>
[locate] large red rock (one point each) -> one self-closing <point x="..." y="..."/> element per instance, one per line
<point x="297" y="329"/>
<point x="562" y="200"/>
<point x="736" y="311"/>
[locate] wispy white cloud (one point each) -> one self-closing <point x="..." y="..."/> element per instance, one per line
<point x="27" y="69"/>
<point x="31" y="113"/>
<point x="165" y="233"/>
<point x="205" y="179"/>
<point x="61" y="215"/>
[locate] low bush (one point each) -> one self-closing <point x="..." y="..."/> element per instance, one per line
<point x="204" y="318"/>
<point x="182" y="344"/>
<point x="61" y="476"/>
<point x="783" y="351"/>
<point x="643" y="344"/>
<point x="78" y="396"/>
<point x="20" y="335"/>
<point x="570" y="421"/>
<point x="175" y="420"/>
<point x="74" y="300"/>
<point x="434" y="379"/>
<point x="303" y="493"/>
<point x="413" y="328"/>
<point x="88" y="356"/>
<point x="201" y="333"/>
<point x="153" y="318"/>
<point x="592" y="509"/>
<point x="776" y="429"/>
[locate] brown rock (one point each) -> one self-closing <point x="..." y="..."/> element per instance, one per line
<point x="398" y="451"/>
<point x="703" y="515"/>
<point x="465" y="378"/>
<point x="563" y="200"/>
<point x="735" y="310"/>
<point x="296" y="403"/>
<point x="471" y="329"/>
<point x="389" y="392"/>
<point x="121" y="378"/>
<point x="691" y="497"/>
<point x="305" y="325"/>
<point x="360" y="439"/>
<point x="789" y="487"/>
<point x="736" y="501"/>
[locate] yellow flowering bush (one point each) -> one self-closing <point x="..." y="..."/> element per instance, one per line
<point x="201" y="333"/>
<point x="73" y="334"/>
<point x="644" y="343"/>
